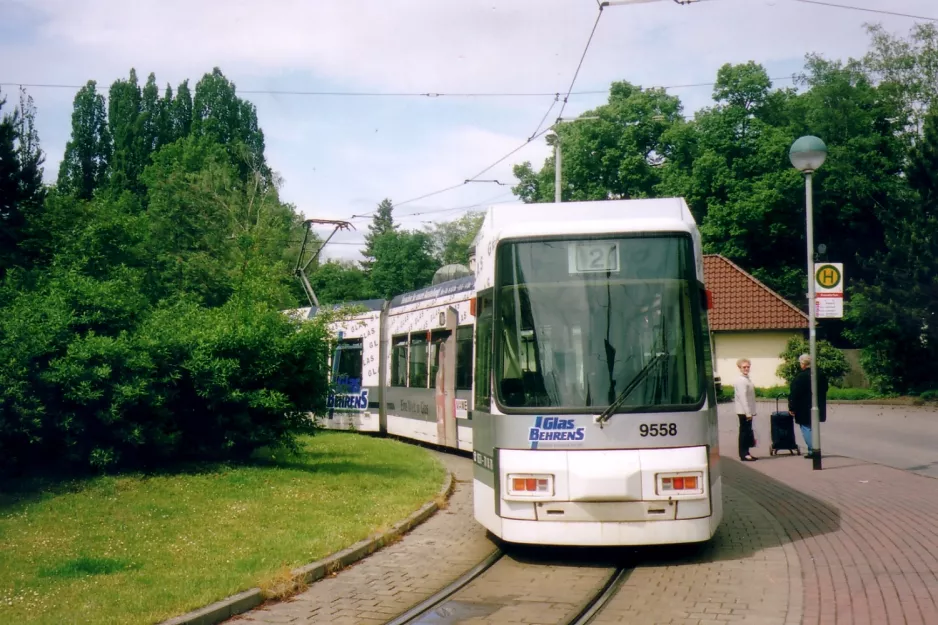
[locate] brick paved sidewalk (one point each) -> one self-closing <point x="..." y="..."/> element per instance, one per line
<point x="866" y="535"/>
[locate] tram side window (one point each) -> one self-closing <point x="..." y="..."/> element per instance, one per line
<point x="483" y="378"/>
<point x="348" y="359"/>
<point x="418" y="361"/>
<point x="437" y="351"/>
<point x="464" y="358"/>
<point x="399" y="361"/>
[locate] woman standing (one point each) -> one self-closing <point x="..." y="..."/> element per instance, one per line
<point x="744" y="393"/>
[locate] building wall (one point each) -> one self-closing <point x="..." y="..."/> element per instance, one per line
<point x="762" y="348"/>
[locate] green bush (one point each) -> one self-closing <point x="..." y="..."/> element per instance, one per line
<point x="831" y="361"/>
<point x="852" y="394"/>
<point x="83" y="384"/>
<point x="726" y="394"/>
<point x="771" y="392"/>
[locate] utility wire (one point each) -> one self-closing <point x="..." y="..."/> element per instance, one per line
<point x="353" y="94"/>
<point x="855" y="8"/>
<point x="580" y="64"/>
<point x="546" y="113"/>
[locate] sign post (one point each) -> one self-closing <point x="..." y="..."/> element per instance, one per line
<point x="829" y="291"/>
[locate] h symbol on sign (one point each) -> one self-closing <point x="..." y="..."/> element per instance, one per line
<point x="828" y="276"/>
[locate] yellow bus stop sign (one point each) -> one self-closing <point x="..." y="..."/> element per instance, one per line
<point x="828" y="276"/>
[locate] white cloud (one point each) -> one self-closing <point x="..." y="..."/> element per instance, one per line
<point x="342" y="156"/>
<point x="466" y="45"/>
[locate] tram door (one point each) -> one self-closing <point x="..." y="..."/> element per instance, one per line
<point x="443" y="377"/>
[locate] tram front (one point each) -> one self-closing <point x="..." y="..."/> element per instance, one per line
<point x="595" y="414"/>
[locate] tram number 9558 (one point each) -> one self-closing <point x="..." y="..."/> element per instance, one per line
<point x="658" y="429"/>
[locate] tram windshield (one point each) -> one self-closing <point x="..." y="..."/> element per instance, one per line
<point x="578" y="321"/>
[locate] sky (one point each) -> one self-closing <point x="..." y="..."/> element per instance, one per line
<point x="339" y="155"/>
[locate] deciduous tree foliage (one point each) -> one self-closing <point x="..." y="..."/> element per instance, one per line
<point x="21" y="189"/>
<point x="147" y="326"/>
<point x="381" y="223"/>
<point x="84" y="167"/>
<point x="894" y="315"/>
<point x="730" y="161"/>
<point x="403" y="262"/>
<point x="452" y="239"/>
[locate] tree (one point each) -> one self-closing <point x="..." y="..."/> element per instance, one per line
<point x="618" y="156"/>
<point x="895" y="315"/>
<point x="151" y="130"/>
<point x="831" y="361"/>
<point x="381" y="223"/>
<point x="906" y="68"/>
<point x="181" y="112"/>
<point x="124" y="125"/>
<point x="403" y="262"/>
<point x="336" y="282"/>
<point x="452" y="239"/>
<point x="218" y="113"/>
<point x="21" y="190"/>
<point x="84" y="167"/>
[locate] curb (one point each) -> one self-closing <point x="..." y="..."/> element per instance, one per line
<point x="249" y="599"/>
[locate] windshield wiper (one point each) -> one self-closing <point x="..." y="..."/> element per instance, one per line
<point x="628" y="390"/>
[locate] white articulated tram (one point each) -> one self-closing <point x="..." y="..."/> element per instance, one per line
<point x="574" y="364"/>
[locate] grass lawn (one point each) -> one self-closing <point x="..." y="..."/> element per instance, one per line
<point x="143" y="548"/>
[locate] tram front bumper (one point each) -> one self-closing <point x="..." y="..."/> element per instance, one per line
<point x="604" y="485"/>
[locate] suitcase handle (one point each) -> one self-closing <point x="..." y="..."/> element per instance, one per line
<point x="778" y="397"/>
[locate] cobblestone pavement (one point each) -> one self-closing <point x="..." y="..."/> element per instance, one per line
<point x="749" y="573"/>
<point x="855" y="543"/>
<point x="392" y="580"/>
<point x="866" y="535"/>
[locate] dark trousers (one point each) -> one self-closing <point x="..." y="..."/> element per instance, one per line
<point x="745" y="435"/>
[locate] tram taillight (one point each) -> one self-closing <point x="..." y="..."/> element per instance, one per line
<point x="680" y="483"/>
<point x="530" y="484"/>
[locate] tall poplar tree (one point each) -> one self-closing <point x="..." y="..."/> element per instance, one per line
<point x="84" y="167"/>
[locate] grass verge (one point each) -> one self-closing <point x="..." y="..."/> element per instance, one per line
<point x="143" y="548"/>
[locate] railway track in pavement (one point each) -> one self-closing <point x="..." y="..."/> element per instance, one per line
<point x="525" y="585"/>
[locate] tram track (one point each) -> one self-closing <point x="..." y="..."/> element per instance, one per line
<point x="568" y="594"/>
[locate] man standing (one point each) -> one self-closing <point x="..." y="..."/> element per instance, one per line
<point x="799" y="400"/>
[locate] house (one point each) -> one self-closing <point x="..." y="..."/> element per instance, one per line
<point x="748" y="320"/>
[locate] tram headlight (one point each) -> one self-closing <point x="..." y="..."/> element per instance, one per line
<point x="530" y="485"/>
<point x="684" y="483"/>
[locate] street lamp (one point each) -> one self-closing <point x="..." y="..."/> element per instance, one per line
<point x="807" y="154"/>
<point x="559" y="121"/>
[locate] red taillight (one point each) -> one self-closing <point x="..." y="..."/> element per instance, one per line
<point x="525" y="485"/>
<point x="680" y="484"/>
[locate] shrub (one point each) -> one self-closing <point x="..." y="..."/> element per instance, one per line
<point x="81" y="382"/>
<point x="852" y="394"/>
<point x="831" y="361"/>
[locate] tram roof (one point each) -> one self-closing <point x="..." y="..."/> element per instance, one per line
<point x="449" y="287"/>
<point x="370" y="305"/>
<point x="643" y="215"/>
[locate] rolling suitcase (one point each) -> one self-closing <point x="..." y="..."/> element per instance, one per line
<point x="783" y="431"/>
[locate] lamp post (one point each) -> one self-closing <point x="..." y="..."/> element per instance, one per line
<point x="807" y="154"/>
<point x="557" y="155"/>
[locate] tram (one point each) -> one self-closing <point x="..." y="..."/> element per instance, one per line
<point x="574" y="363"/>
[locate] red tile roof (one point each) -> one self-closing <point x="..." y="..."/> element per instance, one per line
<point x="740" y="302"/>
